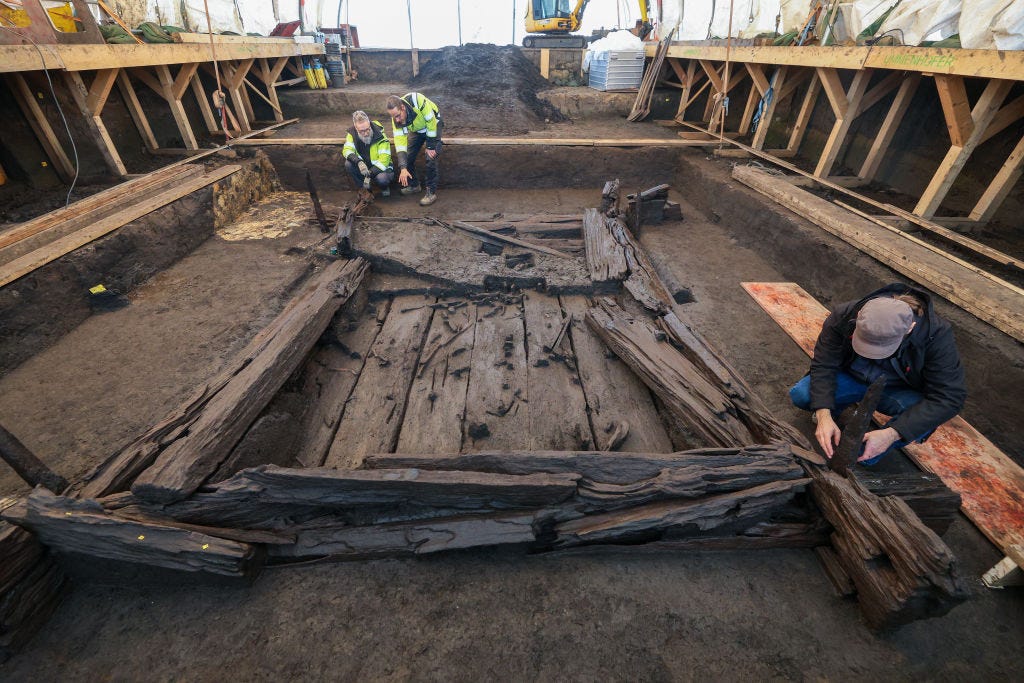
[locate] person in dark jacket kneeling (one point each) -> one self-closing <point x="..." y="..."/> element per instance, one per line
<point x="893" y="332"/>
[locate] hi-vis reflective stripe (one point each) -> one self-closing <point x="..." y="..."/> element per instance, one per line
<point x="381" y="165"/>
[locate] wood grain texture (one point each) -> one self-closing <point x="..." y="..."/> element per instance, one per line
<point x="374" y="412"/>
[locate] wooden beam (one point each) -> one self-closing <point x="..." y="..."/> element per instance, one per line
<point x="684" y="98"/>
<point x="1000" y="186"/>
<point x="890" y="125"/>
<point x="753" y="98"/>
<point x="803" y="117"/>
<point x="235" y="75"/>
<point x="981" y="116"/>
<point x="884" y="87"/>
<point x="1007" y="115"/>
<point x="545" y="62"/>
<point x="182" y="79"/>
<point x="851" y="109"/>
<point x="833" y="87"/>
<point x="955" y="107"/>
<point x="168" y="85"/>
<point x="768" y="112"/>
<point x="794" y="80"/>
<point x="131" y="100"/>
<point x="757" y="75"/>
<point x="713" y="75"/>
<point x="94" y="123"/>
<point x="99" y="91"/>
<point x="212" y="125"/>
<point x="24" y="265"/>
<point x="26" y="100"/>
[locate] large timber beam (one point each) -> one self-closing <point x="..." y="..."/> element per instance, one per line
<point x="26" y="100"/>
<point x="846" y="106"/>
<point x="890" y="124"/>
<point x="90" y="101"/>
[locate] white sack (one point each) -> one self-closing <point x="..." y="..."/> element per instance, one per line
<point x="915" y="21"/>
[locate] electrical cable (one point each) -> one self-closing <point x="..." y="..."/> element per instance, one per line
<point x="60" y="110"/>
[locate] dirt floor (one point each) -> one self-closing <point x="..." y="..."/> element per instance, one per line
<point x="600" y="614"/>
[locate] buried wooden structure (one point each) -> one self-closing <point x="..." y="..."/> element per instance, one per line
<point x="89" y="74"/>
<point x="854" y="80"/>
<point x="528" y="404"/>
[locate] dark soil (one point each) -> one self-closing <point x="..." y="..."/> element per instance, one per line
<point x="496" y="87"/>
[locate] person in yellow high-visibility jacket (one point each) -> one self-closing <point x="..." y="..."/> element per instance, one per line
<point x="416" y="123"/>
<point x="367" y="153"/>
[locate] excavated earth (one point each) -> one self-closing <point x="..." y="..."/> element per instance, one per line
<point x="617" y="614"/>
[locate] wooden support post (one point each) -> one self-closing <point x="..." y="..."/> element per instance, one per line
<point x="803" y="118"/>
<point x="168" y="88"/>
<point x="846" y="107"/>
<point x="131" y="100"/>
<point x="269" y="76"/>
<point x="890" y="125"/>
<point x="545" y="62"/>
<point x="768" y="113"/>
<point x="981" y="116"/>
<point x="688" y="83"/>
<point x="955" y="107"/>
<point x="212" y="125"/>
<point x="875" y="95"/>
<point x="756" y="72"/>
<point x="415" y="62"/>
<point x="1007" y="115"/>
<point x="793" y="81"/>
<point x="753" y="97"/>
<point x="41" y="126"/>
<point x="235" y="74"/>
<point x="99" y="91"/>
<point x="1000" y="186"/>
<point x="81" y="95"/>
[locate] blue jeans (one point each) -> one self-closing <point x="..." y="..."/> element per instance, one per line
<point x="382" y="179"/>
<point x="416" y="142"/>
<point x="850" y="390"/>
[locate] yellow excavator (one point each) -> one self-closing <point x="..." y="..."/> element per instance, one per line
<point x="550" y="23"/>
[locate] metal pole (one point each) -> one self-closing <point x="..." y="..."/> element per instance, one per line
<point x="408" y="10"/>
<point x="27" y="465"/>
<point x="458" y="8"/>
<point x="514" y="21"/>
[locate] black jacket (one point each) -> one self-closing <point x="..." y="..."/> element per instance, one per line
<point x="928" y="361"/>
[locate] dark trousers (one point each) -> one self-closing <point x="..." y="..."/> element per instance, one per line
<point x="850" y="390"/>
<point x="416" y="142"/>
<point x="381" y="178"/>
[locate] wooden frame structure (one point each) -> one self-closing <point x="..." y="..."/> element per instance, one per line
<point x="855" y="79"/>
<point x="90" y="72"/>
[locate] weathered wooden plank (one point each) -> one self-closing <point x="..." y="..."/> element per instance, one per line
<point x="437" y="399"/>
<point x="183" y="466"/>
<point x="610" y="467"/>
<point x="643" y="281"/>
<point x="557" y="408"/>
<point x="374" y="412"/>
<point x="605" y="257"/>
<point x="901" y="569"/>
<point x="688" y="395"/>
<point x="703" y="514"/>
<point x="79" y="526"/>
<point x="496" y="412"/>
<point x="410" y="538"/>
<point x="28" y="604"/>
<point x="20" y="552"/>
<point x="333" y="369"/>
<point x="615" y="395"/>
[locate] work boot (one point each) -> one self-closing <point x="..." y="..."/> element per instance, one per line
<point x="411" y="189"/>
<point x="428" y="199"/>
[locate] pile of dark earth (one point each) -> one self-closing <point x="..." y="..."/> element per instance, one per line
<point x="493" y="86"/>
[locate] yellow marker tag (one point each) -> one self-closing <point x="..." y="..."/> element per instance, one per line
<point x="67" y="514"/>
<point x="142" y="537"/>
<point x="44" y="164"/>
<point x="98" y="289"/>
<point x="206" y="546"/>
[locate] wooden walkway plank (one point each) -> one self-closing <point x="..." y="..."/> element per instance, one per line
<point x="437" y="399"/>
<point x="333" y="374"/>
<point x="990" y="484"/>
<point x="557" y="408"/>
<point x="375" y="410"/>
<point x="614" y="394"/>
<point x="497" y="417"/>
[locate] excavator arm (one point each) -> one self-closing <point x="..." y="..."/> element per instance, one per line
<point x="554" y="21"/>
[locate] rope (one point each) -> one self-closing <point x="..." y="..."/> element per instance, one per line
<point x="218" y="96"/>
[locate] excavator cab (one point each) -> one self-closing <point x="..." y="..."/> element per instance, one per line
<point x="550" y="23"/>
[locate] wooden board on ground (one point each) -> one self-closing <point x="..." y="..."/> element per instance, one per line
<point x="497" y="416"/>
<point x="437" y="398"/>
<point x="614" y="395"/>
<point x="374" y="412"/>
<point x="991" y="486"/>
<point x="334" y="369"/>
<point x="557" y="408"/>
<point x="993" y="303"/>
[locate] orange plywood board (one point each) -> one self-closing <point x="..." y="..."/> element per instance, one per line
<point x="991" y="485"/>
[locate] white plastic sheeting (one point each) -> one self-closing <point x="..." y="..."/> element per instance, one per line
<point x="987" y="25"/>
